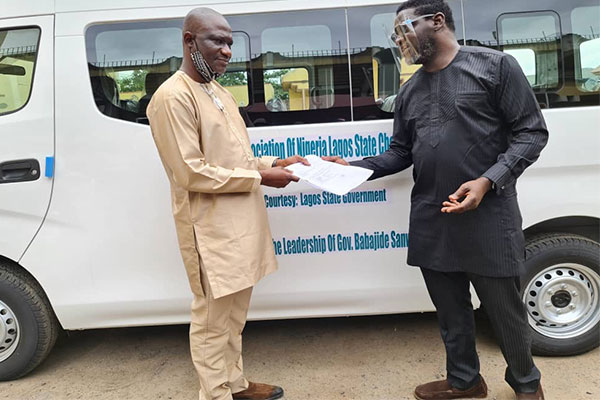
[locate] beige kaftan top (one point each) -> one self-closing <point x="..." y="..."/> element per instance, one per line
<point x="217" y="201"/>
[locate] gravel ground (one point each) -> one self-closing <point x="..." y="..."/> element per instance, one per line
<point x="362" y="358"/>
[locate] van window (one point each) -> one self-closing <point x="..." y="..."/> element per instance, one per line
<point x="535" y="39"/>
<point x="18" y="54"/>
<point x="127" y="62"/>
<point x="236" y="82"/>
<point x="586" y="36"/>
<point x="298" y="69"/>
<point x="555" y="48"/>
<point x="292" y="89"/>
<point x="526" y="60"/>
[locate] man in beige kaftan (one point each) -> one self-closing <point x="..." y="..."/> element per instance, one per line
<point x="217" y="202"/>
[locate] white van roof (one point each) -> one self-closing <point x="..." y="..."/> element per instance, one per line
<point x="26" y="8"/>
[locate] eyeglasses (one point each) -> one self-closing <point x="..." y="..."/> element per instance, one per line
<point x="404" y="27"/>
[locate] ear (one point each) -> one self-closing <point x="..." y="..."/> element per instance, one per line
<point x="439" y="21"/>
<point x="188" y="39"/>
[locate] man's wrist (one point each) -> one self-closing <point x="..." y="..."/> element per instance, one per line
<point x="274" y="164"/>
<point x="491" y="185"/>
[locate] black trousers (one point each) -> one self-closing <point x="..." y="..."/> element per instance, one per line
<point x="450" y="294"/>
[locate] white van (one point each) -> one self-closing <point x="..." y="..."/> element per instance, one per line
<point x="87" y="238"/>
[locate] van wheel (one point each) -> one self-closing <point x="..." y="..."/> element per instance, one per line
<point x="560" y="289"/>
<point x="28" y="327"/>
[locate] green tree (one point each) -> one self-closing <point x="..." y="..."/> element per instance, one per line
<point x="136" y="82"/>
<point x="233" y="79"/>
<point x="274" y="78"/>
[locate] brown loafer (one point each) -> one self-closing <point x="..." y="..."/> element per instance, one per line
<point x="539" y="395"/>
<point x="259" y="391"/>
<point x="442" y="390"/>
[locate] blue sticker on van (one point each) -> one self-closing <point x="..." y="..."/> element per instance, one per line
<point x="49" y="167"/>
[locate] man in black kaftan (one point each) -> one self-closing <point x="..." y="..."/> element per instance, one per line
<point x="467" y="119"/>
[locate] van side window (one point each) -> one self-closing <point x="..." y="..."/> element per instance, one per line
<point x="534" y="39"/>
<point x="586" y="46"/>
<point x="557" y="48"/>
<point x="127" y="62"/>
<point x="18" y="54"/>
<point x="298" y="67"/>
<point x="375" y="66"/>
<point x="293" y="89"/>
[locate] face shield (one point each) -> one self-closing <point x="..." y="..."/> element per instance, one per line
<point x="405" y="38"/>
<point x="393" y="47"/>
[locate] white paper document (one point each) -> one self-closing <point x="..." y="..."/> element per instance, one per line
<point x="329" y="176"/>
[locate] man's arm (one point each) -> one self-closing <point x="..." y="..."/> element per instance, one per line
<point x="520" y="110"/>
<point x="175" y="131"/>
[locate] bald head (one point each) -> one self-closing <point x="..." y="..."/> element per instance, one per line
<point x="202" y="18"/>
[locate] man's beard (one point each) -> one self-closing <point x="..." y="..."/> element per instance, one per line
<point x="427" y="49"/>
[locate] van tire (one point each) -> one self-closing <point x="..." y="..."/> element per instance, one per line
<point x="28" y="323"/>
<point x="560" y="288"/>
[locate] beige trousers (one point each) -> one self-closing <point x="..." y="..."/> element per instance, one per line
<point x="216" y="341"/>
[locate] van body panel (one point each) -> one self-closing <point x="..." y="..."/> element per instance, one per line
<point x="74" y="5"/>
<point x="28" y="134"/>
<point x="22" y="8"/>
<point x="26" y="8"/>
<point x="564" y="160"/>
<point x="240" y="6"/>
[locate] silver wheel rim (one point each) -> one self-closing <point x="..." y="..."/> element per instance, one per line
<point x="9" y="331"/>
<point x="562" y="300"/>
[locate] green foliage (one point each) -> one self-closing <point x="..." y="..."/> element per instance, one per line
<point x="274" y="78"/>
<point x="135" y="82"/>
<point x="233" y="79"/>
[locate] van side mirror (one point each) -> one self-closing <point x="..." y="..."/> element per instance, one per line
<point x="12" y="70"/>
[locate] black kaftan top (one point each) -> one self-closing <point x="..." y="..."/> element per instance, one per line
<point x="476" y="117"/>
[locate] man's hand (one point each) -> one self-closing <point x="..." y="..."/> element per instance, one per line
<point x="472" y="191"/>
<point x="335" y="159"/>
<point x="291" y="160"/>
<point x="277" y="177"/>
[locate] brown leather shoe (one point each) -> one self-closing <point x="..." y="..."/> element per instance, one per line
<point x="539" y="395"/>
<point x="259" y="391"/>
<point x="442" y="390"/>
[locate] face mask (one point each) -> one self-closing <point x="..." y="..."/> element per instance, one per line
<point x="406" y="39"/>
<point x="205" y="71"/>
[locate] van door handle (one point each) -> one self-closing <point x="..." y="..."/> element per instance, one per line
<point x="19" y="171"/>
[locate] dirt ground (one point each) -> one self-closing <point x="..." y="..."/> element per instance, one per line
<point x="362" y="358"/>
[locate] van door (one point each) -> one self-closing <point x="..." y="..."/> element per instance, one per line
<point x="26" y="129"/>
